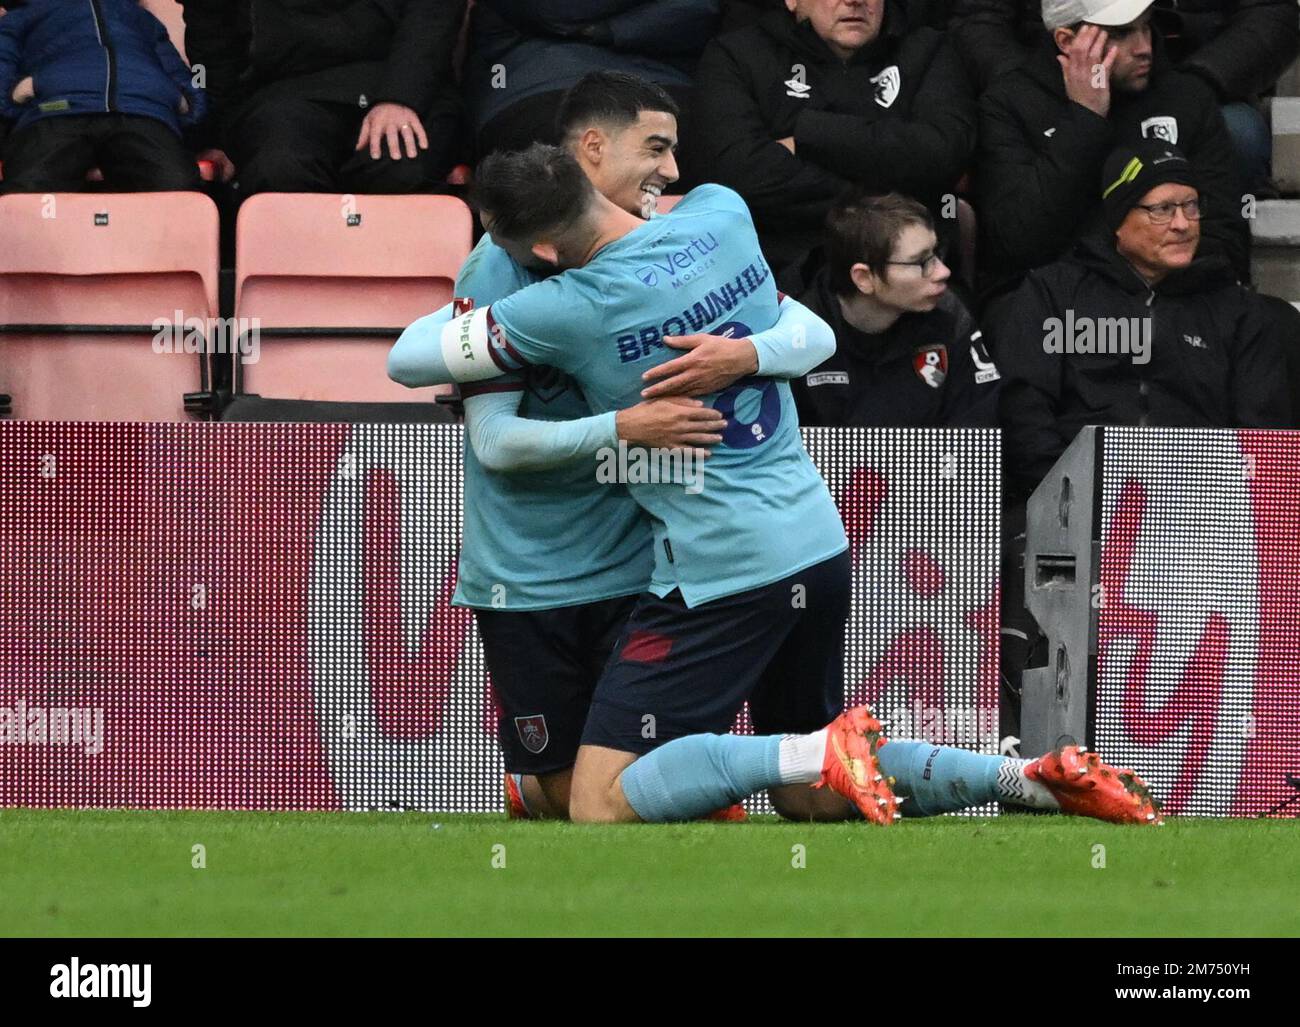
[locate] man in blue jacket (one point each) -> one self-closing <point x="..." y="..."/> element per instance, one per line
<point x="95" y="84"/>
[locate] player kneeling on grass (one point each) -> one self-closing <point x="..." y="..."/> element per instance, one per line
<point x="717" y="626"/>
<point x="550" y="613"/>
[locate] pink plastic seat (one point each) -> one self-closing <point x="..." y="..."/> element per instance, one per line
<point x="172" y="15"/>
<point x="322" y="267"/>
<point x="112" y="265"/>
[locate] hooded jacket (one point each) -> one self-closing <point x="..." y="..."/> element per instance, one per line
<point x="898" y="114"/>
<point x="1041" y="155"/>
<point x="93" y="57"/>
<point x="1086" y="341"/>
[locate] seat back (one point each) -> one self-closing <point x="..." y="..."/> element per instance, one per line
<point x="335" y="263"/>
<point x="172" y="15"/>
<point x="96" y="294"/>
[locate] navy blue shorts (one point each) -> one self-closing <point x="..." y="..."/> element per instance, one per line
<point x="544" y="666"/>
<point x="679" y="671"/>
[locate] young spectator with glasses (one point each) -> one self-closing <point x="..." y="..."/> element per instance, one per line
<point x="908" y="352"/>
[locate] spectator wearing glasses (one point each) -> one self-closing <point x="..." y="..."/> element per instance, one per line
<point x="1135" y="327"/>
<point x="908" y="352"/>
<point x="1096" y="82"/>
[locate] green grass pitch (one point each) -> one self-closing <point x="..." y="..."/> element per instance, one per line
<point x="124" y="873"/>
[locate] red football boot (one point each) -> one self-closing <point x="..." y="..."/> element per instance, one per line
<point x="731" y="814"/>
<point x="1087" y="787"/>
<point x="852" y="767"/>
<point x="515" y="808"/>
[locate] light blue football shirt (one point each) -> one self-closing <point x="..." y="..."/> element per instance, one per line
<point x="537" y="540"/>
<point x="762" y="511"/>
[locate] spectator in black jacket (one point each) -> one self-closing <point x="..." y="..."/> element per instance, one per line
<point x="908" y="353"/>
<point x="1236" y="47"/>
<point x="525" y="54"/>
<point x="793" y="109"/>
<point x="1203" y="350"/>
<point x="1134" y="327"/>
<point x="1046" y="128"/>
<point x="329" y="95"/>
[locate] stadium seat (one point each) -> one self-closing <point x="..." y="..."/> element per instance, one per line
<point x="172" y="15"/>
<point x="333" y="280"/>
<point x="83" y="278"/>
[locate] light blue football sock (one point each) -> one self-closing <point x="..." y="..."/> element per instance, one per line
<point x="939" y="779"/>
<point x="698" y="774"/>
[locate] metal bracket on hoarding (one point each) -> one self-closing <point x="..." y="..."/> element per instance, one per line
<point x="1062" y="550"/>
<point x="1294" y="781"/>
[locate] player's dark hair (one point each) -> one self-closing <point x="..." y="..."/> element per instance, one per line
<point x="612" y="98"/>
<point x="532" y="193"/>
<point x="862" y="229"/>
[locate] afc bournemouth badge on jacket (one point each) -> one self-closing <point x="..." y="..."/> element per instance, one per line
<point x="985" y="370"/>
<point x="887" y="84"/>
<point x="1163" y="127"/>
<point x="532" y="732"/>
<point x="931" y="365"/>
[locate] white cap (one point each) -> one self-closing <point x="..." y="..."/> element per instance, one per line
<point x="1064" y="13"/>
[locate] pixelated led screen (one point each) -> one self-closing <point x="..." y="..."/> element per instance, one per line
<point x="256" y="616"/>
<point x="1198" y="681"/>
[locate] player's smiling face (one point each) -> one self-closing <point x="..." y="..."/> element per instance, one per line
<point x="846" y="26"/>
<point x="637" y="163"/>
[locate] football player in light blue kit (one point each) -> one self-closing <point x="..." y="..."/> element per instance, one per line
<point x="750" y="591"/>
<point x="552" y="560"/>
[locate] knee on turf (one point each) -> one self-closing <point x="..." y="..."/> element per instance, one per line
<point x="593" y="801"/>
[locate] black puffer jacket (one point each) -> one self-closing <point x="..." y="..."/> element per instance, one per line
<point x="1239" y="47"/>
<point x="1041" y="154"/>
<point x="396" y="51"/>
<point x="1215" y="358"/>
<point x="899" y="114"/>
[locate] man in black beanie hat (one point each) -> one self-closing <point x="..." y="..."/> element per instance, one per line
<point x="1131" y="328"/>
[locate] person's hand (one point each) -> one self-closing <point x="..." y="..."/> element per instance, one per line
<point x="24" y="90"/>
<point x="396" y="123"/>
<point x="183" y="105"/>
<point x="1086" y="69"/>
<point x="711" y="363"/>
<point x="221" y="164"/>
<point x="673" y="423"/>
<point x="787" y="142"/>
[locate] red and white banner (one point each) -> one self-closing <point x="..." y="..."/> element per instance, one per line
<point x="256" y="616"/>
<point x="1198" y="680"/>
